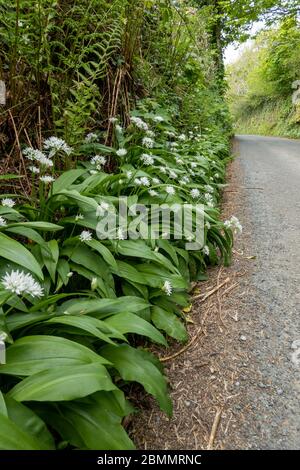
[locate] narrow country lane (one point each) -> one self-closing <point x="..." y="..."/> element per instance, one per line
<point x="244" y="365"/>
<point x="271" y="169"/>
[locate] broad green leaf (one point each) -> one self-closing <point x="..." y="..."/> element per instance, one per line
<point x="26" y="232"/>
<point x="84" y="202"/>
<point x="66" y="179"/>
<point x="32" y="354"/>
<point x="104" y="252"/>
<point x="3" y="409"/>
<point x="29" y="422"/>
<point x="91" y="325"/>
<point x="14" y="251"/>
<point x="130" y="323"/>
<point x="140" y="249"/>
<point x="170" y="323"/>
<point x="156" y="276"/>
<point x="51" y="259"/>
<point x="14" y="438"/>
<point x="43" y="226"/>
<point x="101" y="308"/>
<point x="19" y="320"/>
<point x="137" y="366"/>
<point x="128" y="272"/>
<point x="63" y="383"/>
<point x="93" y="423"/>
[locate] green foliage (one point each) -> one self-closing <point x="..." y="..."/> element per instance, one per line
<point x="70" y="348"/>
<point x="78" y="311"/>
<point x="261" y="83"/>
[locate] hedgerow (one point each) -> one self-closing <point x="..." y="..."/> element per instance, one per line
<point x="71" y="302"/>
<point x="106" y="101"/>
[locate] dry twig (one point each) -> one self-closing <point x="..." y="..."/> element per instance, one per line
<point x="214" y="429"/>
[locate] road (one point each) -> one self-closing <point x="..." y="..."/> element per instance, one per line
<point x="271" y="173"/>
<point x="243" y="364"/>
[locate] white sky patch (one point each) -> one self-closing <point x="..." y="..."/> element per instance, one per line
<point x="235" y="50"/>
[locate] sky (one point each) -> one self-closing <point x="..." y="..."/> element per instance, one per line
<point x="233" y="51"/>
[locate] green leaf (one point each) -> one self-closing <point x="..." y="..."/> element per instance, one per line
<point x="128" y="272"/>
<point x="14" y="251"/>
<point x="130" y="323"/>
<point x="27" y="232"/>
<point x="140" y="249"/>
<point x="50" y="257"/>
<point x="29" y="422"/>
<point x="63" y="383"/>
<point x="19" y="320"/>
<point x="102" y="308"/>
<point x="93" y="423"/>
<point x="66" y="179"/>
<point x="93" y="326"/>
<point x="3" y="409"/>
<point x="156" y="276"/>
<point x="14" y="438"/>
<point x="104" y="252"/>
<point x="32" y="354"/>
<point x="84" y="202"/>
<point x="170" y="323"/>
<point x="43" y="226"/>
<point x="137" y="366"/>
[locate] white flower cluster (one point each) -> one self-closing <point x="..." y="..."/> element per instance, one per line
<point x="234" y="224"/>
<point x="209" y="199"/>
<point x="34" y="169"/>
<point x="167" y="288"/>
<point x="54" y="145"/>
<point x="173" y="145"/>
<point x="143" y="181"/>
<point x="38" y="156"/>
<point x="121" y="152"/>
<point x="172" y="174"/>
<point x="148" y="142"/>
<point x="17" y="282"/>
<point x="195" y="193"/>
<point x="91" y="137"/>
<point x="209" y="189"/>
<point x="170" y="190"/>
<point x="85" y="236"/>
<point x="185" y="179"/>
<point x="152" y="192"/>
<point x="47" y="179"/>
<point x="7" y="202"/>
<point x="139" y="123"/>
<point x="147" y="159"/>
<point x="3" y="222"/>
<point x="98" y="161"/>
<point x="170" y="134"/>
<point x="206" y="250"/>
<point x="150" y="134"/>
<point x="158" y="119"/>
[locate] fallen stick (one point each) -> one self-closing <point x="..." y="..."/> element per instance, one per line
<point x="214" y="429"/>
<point x="230" y="289"/>
<point x="206" y="296"/>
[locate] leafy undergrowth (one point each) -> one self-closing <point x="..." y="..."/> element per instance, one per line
<point x="73" y="306"/>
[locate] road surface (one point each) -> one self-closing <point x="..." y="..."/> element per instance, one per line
<point x="271" y="172"/>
